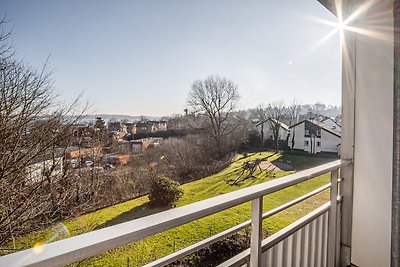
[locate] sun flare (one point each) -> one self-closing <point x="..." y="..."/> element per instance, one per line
<point x="348" y="22"/>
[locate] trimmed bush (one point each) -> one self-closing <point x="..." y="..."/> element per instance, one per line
<point x="164" y="192"/>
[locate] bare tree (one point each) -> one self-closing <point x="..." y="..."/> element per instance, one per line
<point x="294" y="112"/>
<point x="101" y="134"/>
<point x="319" y="108"/>
<point x="5" y="48"/>
<point x="33" y="130"/>
<point x="277" y="113"/>
<point x="216" y="98"/>
<point x="260" y="114"/>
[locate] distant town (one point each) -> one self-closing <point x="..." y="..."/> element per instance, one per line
<point x="310" y="133"/>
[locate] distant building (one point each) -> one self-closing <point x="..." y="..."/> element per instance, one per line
<point x="130" y="127"/>
<point x="176" y="123"/>
<point x="117" y="159"/>
<point x="77" y="152"/>
<point x="144" y="128"/>
<point x="151" y="127"/>
<point x="82" y="130"/>
<point x="118" y="129"/>
<point x="284" y="130"/>
<point x="38" y="171"/>
<point x="161" y="126"/>
<point x="139" y="146"/>
<point x="314" y="137"/>
<point x="332" y="124"/>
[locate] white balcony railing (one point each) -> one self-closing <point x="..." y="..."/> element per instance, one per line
<point x="310" y="241"/>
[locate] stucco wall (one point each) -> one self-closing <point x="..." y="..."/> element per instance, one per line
<point x="329" y="142"/>
<point x="298" y="132"/>
<point x="373" y="138"/>
<point x="299" y="142"/>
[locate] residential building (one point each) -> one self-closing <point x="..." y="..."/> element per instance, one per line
<point x="161" y="126"/>
<point x="117" y="159"/>
<point x="145" y="128"/>
<point x="140" y="145"/>
<point x="77" y="152"/>
<point x="332" y="124"/>
<point x="118" y="129"/>
<point x="130" y="127"/>
<point x="82" y="130"/>
<point x="38" y="171"/>
<point x="268" y="127"/>
<point x="314" y="137"/>
<point x="176" y="123"/>
<point x="151" y="127"/>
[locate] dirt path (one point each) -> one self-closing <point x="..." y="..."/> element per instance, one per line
<point x="267" y="165"/>
<point x="276" y="166"/>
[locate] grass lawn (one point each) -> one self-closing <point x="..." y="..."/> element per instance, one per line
<point x="164" y="243"/>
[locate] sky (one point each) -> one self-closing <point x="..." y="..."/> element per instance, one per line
<point x="141" y="57"/>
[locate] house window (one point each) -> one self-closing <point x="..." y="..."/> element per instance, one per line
<point x="307" y="132"/>
<point x="305" y="143"/>
<point x="318" y="144"/>
<point x="318" y="133"/>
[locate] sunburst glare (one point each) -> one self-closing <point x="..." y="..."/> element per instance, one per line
<point x="345" y="23"/>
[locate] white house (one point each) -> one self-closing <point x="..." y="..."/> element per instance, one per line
<point x="36" y="172"/>
<point x="314" y="137"/>
<point x="267" y="132"/>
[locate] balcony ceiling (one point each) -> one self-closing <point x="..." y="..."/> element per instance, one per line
<point x="330" y="5"/>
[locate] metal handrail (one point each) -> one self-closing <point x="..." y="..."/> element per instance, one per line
<point x="86" y="245"/>
<point x="208" y="241"/>
<point x="244" y="256"/>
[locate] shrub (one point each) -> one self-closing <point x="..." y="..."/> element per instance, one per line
<point x="164" y="192"/>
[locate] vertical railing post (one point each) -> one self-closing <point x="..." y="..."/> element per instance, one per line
<point x="256" y="232"/>
<point x="332" y="229"/>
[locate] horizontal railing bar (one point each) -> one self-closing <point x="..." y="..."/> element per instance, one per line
<point x="197" y="246"/>
<point x="240" y="259"/>
<point x="274" y="239"/>
<point x="295" y="201"/>
<point x="206" y="242"/>
<point x="86" y="245"/>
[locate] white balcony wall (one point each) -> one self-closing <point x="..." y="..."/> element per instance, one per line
<point x="373" y="142"/>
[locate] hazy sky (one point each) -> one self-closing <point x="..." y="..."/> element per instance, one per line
<point x="141" y="57"/>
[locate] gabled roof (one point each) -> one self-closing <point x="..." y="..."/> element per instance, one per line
<point x="329" y="118"/>
<point x="326" y="128"/>
<point x="284" y="126"/>
<point x="319" y="124"/>
<point x="143" y="124"/>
